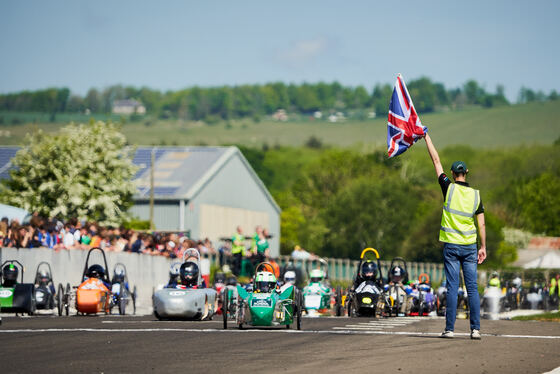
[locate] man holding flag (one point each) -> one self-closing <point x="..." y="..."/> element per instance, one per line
<point x="461" y="203"/>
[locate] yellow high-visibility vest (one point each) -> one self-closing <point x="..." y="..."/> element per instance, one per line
<point x="457" y="220"/>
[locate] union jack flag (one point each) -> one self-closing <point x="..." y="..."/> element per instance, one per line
<point x="403" y="127"/>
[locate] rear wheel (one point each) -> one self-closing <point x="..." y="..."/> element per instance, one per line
<point x="225" y="303"/>
<point x="60" y="299"/>
<point x="122" y="305"/>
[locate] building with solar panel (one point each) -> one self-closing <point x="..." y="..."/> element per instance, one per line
<point x="205" y="191"/>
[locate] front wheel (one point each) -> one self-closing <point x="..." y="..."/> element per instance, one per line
<point x="338" y="305"/>
<point x="134" y="300"/>
<point x="67" y="299"/>
<point x="299" y="308"/>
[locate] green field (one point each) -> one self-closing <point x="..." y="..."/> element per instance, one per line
<point x="535" y="123"/>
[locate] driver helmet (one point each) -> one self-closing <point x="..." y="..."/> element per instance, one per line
<point x="10" y="274"/>
<point x="95" y="271"/>
<point x="118" y="274"/>
<point x="44" y="277"/>
<point x="219" y="278"/>
<point x="290" y="276"/>
<point x="265" y="282"/>
<point x="317" y="275"/>
<point x="517" y="282"/>
<point x="189" y="273"/>
<point x="231" y="280"/>
<point x="397" y="274"/>
<point x="369" y="270"/>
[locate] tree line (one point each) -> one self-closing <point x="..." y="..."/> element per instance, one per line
<point x="337" y="201"/>
<point x="231" y="102"/>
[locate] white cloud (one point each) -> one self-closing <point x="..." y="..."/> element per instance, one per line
<point x="302" y="52"/>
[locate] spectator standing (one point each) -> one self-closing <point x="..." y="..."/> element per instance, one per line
<point x="237" y="250"/>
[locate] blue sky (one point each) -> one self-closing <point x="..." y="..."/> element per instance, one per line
<point x="177" y="44"/>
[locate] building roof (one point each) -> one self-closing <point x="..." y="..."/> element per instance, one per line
<point x="180" y="172"/>
<point x="126" y="103"/>
<point x="538" y="258"/>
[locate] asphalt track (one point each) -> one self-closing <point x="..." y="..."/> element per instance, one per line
<point x="129" y="344"/>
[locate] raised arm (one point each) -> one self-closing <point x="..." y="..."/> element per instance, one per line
<point x="434" y="155"/>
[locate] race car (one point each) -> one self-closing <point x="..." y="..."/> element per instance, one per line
<point x="16" y="297"/>
<point x="189" y="299"/>
<point x="266" y="305"/>
<point x="493" y="299"/>
<point x="93" y="295"/>
<point x="45" y="293"/>
<point x="365" y="297"/>
<point x="397" y="300"/>
<point x="120" y="290"/>
<point x="318" y="294"/>
<point x="423" y="298"/>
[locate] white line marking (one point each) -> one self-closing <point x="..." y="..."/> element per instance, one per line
<point x="277" y="330"/>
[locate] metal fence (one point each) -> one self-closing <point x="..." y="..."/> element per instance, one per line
<point x="343" y="269"/>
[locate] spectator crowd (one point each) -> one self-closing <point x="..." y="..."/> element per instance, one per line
<point x="74" y="234"/>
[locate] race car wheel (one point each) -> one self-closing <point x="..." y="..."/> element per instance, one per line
<point x="299" y="308"/>
<point x="225" y="303"/>
<point x="66" y="299"/>
<point x="134" y="300"/>
<point x="338" y="305"/>
<point x="122" y="305"/>
<point x="351" y="309"/>
<point x="60" y="299"/>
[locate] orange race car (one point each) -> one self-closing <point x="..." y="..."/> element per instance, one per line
<point x="93" y="295"/>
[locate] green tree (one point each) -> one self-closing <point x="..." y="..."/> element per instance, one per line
<point x="539" y="204"/>
<point x="370" y="214"/>
<point x="85" y="172"/>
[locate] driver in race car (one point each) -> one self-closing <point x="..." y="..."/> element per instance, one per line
<point x="397" y="275"/>
<point x="368" y="278"/>
<point x="265" y="282"/>
<point x="189" y="276"/>
<point x="45" y="281"/>
<point x="98" y="272"/>
<point x="494" y="280"/>
<point x="9" y="275"/>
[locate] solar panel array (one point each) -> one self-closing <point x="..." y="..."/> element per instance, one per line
<point x="6" y="154"/>
<point x="190" y="164"/>
<point x="143" y="159"/>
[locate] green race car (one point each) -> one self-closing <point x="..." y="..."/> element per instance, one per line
<point x="317" y="295"/>
<point x="15" y="297"/>
<point x="266" y="305"/>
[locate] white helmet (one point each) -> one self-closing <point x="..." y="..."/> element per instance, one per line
<point x="517" y="282"/>
<point x="290" y="276"/>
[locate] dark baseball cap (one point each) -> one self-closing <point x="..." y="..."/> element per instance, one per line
<point x="459" y="167"/>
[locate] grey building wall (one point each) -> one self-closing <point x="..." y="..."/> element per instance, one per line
<point x="166" y="213"/>
<point x="235" y="186"/>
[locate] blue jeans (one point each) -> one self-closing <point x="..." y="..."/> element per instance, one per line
<point x="456" y="256"/>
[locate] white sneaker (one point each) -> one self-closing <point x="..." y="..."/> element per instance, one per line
<point x="446" y="334"/>
<point x="475" y="334"/>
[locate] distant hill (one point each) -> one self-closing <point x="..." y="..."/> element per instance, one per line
<point x="503" y="126"/>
